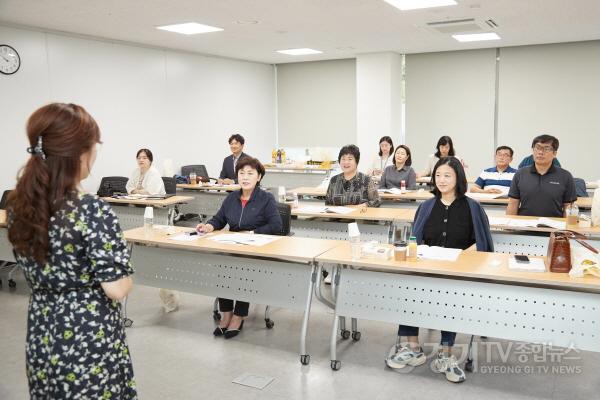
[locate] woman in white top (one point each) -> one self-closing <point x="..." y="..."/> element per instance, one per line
<point x="145" y="179"/>
<point x="445" y="148"/>
<point x="384" y="158"/>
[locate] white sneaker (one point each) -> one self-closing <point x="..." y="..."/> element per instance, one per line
<point x="448" y="366"/>
<point x="406" y="356"/>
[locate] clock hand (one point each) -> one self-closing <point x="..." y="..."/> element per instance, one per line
<point x="5" y="59"/>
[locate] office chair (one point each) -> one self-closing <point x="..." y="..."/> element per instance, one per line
<point x="200" y="171"/>
<point x="285" y="212"/>
<point x="170" y="185"/>
<point x="7" y="264"/>
<point x="110" y="185"/>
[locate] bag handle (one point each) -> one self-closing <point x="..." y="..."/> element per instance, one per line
<point x="578" y="237"/>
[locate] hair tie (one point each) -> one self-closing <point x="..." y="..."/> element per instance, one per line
<point x="37" y="149"/>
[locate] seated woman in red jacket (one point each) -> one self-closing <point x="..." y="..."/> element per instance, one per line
<point x="249" y="209"/>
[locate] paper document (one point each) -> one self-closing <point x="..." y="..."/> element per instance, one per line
<point x="391" y="191"/>
<point x="543" y="221"/>
<point x="244" y="239"/>
<point x="437" y="253"/>
<point x="184" y="237"/>
<point x="534" y="265"/>
<point x="485" y="196"/>
<point x="325" y="209"/>
<point x="499" y="221"/>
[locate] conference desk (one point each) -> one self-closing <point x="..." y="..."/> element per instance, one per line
<point x="281" y="273"/>
<point x="412" y="198"/>
<point x="206" y="199"/>
<point x="477" y="294"/>
<point x="375" y="223"/>
<point x="131" y="216"/>
<point x="292" y="175"/>
<point x="6" y="253"/>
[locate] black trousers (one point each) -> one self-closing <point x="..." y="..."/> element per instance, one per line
<point x="241" y="307"/>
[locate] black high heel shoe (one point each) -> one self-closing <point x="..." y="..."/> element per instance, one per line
<point x="219" y="331"/>
<point x="231" y="333"/>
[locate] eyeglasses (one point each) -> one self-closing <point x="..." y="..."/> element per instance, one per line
<point x="503" y="155"/>
<point x="543" y="149"/>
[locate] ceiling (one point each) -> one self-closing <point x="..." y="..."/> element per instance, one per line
<point x="339" y="28"/>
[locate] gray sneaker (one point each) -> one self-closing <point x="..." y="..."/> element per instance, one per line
<point x="448" y="366"/>
<point x="406" y="356"/>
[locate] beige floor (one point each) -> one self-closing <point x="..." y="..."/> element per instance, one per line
<point x="176" y="357"/>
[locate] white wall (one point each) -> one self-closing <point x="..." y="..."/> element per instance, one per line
<point x="379" y="103"/>
<point x="182" y="106"/>
<point x="316" y="103"/>
<point x="552" y="89"/>
<point x="452" y="94"/>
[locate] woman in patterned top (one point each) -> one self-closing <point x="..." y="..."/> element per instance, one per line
<point x="72" y="252"/>
<point x="351" y="187"/>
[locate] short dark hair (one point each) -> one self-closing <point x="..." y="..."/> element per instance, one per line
<point x="239" y="138"/>
<point x="505" y="148"/>
<point x="252" y="163"/>
<point x="461" y="178"/>
<point x="385" y="139"/>
<point x="545" y="139"/>
<point x="444" y="140"/>
<point x="350" y="149"/>
<point x="408" y="161"/>
<point x="148" y="154"/>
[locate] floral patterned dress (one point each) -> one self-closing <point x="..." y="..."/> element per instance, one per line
<point x="76" y="346"/>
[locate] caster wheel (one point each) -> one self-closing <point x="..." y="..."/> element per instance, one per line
<point x="356" y="336"/>
<point x="127" y="322"/>
<point x="305" y="359"/>
<point x="345" y="334"/>
<point x="269" y="323"/>
<point x="336" y="365"/>
<point x="216" y="316"/>
<point x="469" y="366"/>
<point x="12" y="283"/>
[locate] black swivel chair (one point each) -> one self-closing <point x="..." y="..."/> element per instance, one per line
<point x="110" y="185"/>
<point x="7" y="264"/>
<point x="285" y="212"/>
<point x="199" y="169"/>
<point x="170" y="185"/>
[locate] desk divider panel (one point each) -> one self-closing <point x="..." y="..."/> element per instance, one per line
<point x="276" y="283"/>
<point x="538" y="315"/>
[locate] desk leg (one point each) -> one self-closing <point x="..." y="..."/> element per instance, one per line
<point x="335" y="363"/>
<point x="318" y="286"/>
<point x="304" y="356"/>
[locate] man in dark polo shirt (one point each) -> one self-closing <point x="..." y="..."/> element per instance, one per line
<point x="542" y="189"/>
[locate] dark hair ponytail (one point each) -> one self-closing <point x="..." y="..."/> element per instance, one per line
<point x="59" y="135"/>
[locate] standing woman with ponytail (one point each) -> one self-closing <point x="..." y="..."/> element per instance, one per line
<point x="72" y="252"/>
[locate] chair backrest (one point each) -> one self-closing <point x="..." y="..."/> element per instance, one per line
<point x="170" y="184"/>
<point x="110" y="185"/>
<point x="4" y="199"/>
<point x="200" y="170"/>
<point x="580" y="187"/>
<point x="285" y="212"/>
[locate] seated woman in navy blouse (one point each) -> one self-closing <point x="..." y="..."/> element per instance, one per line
<point x="450" y="219"/>
<point x="249" y="209"/>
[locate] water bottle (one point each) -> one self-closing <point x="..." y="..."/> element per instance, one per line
<point x="354" y="238"/>
<point x="148" y="219"/>
<point x="403" y="186"/>
<point x="295" y="204"/>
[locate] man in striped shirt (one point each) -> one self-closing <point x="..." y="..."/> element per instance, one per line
<point x="497" y="179"/>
